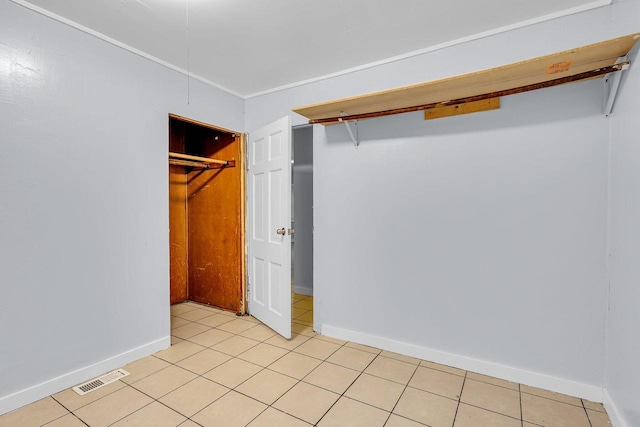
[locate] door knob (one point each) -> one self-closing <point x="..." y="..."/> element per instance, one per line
<point x="281" y="231"/>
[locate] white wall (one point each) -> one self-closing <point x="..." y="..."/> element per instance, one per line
<point x="83" y="202"/>
<point x="477" y="240"/>
<point x="623" y="351"/>
<point x="303" y="209"/>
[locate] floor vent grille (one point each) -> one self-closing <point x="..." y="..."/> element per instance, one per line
<point x="102" y="381"/>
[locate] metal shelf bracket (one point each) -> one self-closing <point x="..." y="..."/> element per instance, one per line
<point x="612" y="82"/>
<point x="354" y="138"/>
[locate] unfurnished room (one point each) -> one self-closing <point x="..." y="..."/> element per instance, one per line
<point x="339" y="213"/>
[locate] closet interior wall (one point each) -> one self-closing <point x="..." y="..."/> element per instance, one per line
<point x="206" y="218"/>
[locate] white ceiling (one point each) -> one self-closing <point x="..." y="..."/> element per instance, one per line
<point x="252" y="46"/>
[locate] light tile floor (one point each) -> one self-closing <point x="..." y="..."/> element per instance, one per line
<point x="227" y="371"/>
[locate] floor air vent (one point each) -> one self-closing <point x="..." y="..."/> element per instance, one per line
<point x="102" y="381"/>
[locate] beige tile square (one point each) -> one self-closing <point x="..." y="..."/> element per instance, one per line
<point x="470" y="416"/>
<point x="189" y="423"/>
<point x="492" y="380"/>
<point x="235" y="409"/>
<point x="330" y="339"/>
<point x="294" y="342"/>
<point x="182" y="308"/>
<point x="491" y="397"/>
<point x="307" y="402"/>
<point x="351" y="358"/>
<point x="72" y="400"/>
<point x="266" y="386"/>
<point x="426" y="408"/>
<point x="598" y="419"/>
<point x="250" y="318"/>
<point x="153" y="415"/>
<point x="258" y="333"/>
<point x="274" y="418"/>
<point x="142" y="368"/>
<point x="332" y="377"/>
<point x="391" y="369"/>
<point x="263" y="354"/>
<point x="197" y="305"/>
<point x="204" y="361"/>
<point x="437" y="382"/>
<point x="164" y="381"/>
<point x="233" y="372"/>
<point x="176" y="322"/>
<point x="302" y="329"/>
<point x="180" y="351"/>
<point x="194" y="396"/>
<point x="206" y="307"/>
<point x="236" y="326"/>
<point x="34" y="414"/>
<point x="214" y="320"/>
<point x="552" y="413"/>
<point x="211" y="337"/>
<point x="443" y="368"/>
<point x="297" y="297"/>
<point x="235" y="345"/>
<point x="599" y="407"/>
<point x="317" y="348"/>
<point x="348" y="412"/>
<point x="398" y="421"/>
<point x="295" y="365"/>
<point x="551" y="395"/>
<point x="305" y="304"/>
<point x="297" y="312"/>
<point x="69" y="420"/>
<point x="400" y="357"/>
<point x="113" y="407"/>
<point x="305" y="317"/>
<point x="175" y="340"/>
<point x="231" y="314"/>
<point x="194" y="315"/>
<point x="375" y="391"/>
<point x="189" y="330"/>
<point x="363" y="347"/>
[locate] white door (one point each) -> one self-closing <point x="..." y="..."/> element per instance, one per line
<point x="269" y="222"/>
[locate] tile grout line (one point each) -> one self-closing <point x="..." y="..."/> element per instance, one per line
<point x="356" y="379"/>
<point x="520" y="400"/>
<point x="406" y="386"/>
<point x="586" y="413"/>
<point x="464" y="380"/>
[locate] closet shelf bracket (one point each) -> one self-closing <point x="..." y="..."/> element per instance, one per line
<point x="354" y="138"/>
<point x="612" y="82"/>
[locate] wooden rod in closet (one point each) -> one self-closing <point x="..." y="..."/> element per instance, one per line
<point x="197" y="158"/>
<point x="189" y="163"/>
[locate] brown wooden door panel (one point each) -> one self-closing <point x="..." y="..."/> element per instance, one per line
<point x="215" y="270"/>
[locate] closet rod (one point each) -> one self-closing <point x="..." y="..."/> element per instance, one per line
<point x="197" y="158"/>
<point x="189" y="163"/>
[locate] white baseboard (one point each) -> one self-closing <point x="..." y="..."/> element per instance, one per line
<point x="23" y="397"/>
<point x="534" y="379"/>
<point x="304" y="290"/>
<point x="612" y="410"/>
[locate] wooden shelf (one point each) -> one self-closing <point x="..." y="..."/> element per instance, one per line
<point x="582" y="63"/>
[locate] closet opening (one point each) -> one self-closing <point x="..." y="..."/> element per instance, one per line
<point x="206" y="215"/>
<point x="302" y="223"/>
